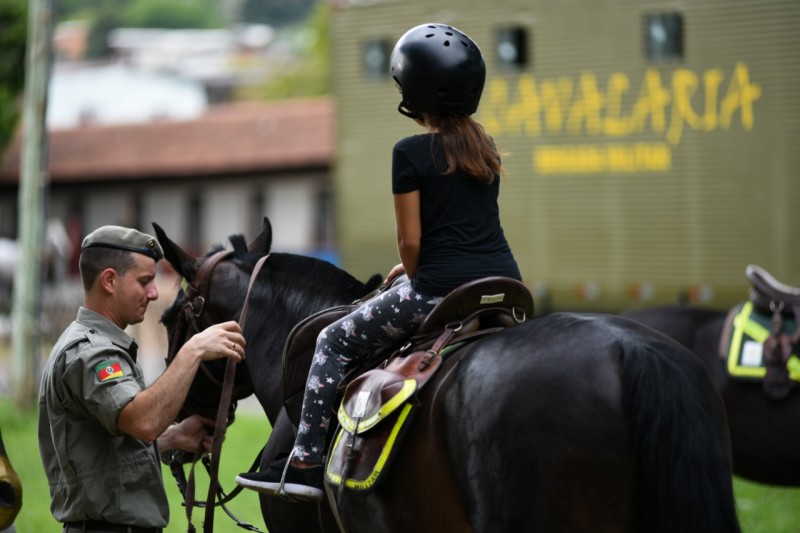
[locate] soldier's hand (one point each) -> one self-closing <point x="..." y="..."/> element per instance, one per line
<point x="219" y="341"/>
<point x="189" y="434"/>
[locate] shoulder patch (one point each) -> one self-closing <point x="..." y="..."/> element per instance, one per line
<point x="109" y="370"/>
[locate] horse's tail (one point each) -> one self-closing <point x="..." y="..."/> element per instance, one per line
<point x="678" y="431"/>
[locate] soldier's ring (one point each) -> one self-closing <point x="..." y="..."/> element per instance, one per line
<point x="233" y="346"/>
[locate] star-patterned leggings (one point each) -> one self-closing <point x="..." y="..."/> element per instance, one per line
<point x="389" y="318"/>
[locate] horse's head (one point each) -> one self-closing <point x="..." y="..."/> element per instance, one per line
<point x="212" y="290"/>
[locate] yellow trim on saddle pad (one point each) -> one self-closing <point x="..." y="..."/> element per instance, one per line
<point x="380" y="464"/>
<point x="745" y="357"/>
<point x="348" y="421"/>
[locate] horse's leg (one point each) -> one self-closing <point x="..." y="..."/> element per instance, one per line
<point x="281" y="516"/>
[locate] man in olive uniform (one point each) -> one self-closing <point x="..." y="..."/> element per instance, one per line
<point x="100" y="429"/>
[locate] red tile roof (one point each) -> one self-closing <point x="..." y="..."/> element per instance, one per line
<point x="230" y="138"/>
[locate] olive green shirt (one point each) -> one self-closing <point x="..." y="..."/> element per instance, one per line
<point x="96" y="472"/>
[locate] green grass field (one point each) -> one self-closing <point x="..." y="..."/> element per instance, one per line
<point x="243" y="441"/>
<point x="762" y="509"/>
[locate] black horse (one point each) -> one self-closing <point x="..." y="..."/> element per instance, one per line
<point x="564" y="423"/>
<point x="765" y="433"/>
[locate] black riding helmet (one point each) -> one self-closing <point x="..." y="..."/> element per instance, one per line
<point x="438" y="69"/>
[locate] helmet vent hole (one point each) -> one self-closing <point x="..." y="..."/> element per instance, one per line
<point x="447" y="43"/>
<point x="429" y="36"/>
<point x="448" y="33"/>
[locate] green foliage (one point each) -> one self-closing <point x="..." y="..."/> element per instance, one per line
<point x="310" y="73"/>
<point x="97" y="40"/>
<point x="276" y="13"/>
<point x="13" y="40"/>
<point x="203" y="14"/>
<point x="106" y="15"/>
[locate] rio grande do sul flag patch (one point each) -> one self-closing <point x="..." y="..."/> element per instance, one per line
<point x="109" y="370"/>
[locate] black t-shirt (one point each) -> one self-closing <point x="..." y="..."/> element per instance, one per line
<point x="462" y="239"/>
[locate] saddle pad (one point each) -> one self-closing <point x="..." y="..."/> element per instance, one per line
<point x="359" y="462"/>
<point x="745" y="358"/>
<point x="373" y="416"/>
<point x="376" y="398"/>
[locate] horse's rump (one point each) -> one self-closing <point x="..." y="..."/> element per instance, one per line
<point x="554" y="425"/>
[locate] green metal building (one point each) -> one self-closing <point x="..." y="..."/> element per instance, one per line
<point x="652" y="147"/>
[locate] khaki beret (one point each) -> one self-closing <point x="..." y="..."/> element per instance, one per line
<point x="124" y="239"/>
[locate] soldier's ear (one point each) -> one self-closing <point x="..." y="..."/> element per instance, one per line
<point x="107" y="280"/>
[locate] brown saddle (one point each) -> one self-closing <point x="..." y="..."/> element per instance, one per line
<point x="769" y="294"/>
<point x="379" y="404"/>
<point x="472" y="310"/>
<point x="772" y="298"/>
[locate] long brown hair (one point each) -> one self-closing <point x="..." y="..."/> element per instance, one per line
<point x="466" y="146"/>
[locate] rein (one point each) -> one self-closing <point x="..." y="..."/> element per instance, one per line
<point x="193" y="310"/>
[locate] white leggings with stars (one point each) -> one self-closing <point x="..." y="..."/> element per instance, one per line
<point x="387" y="319"/>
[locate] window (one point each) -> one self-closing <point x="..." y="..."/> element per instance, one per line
<point x="194" y="219"/>
<point x="511" y="47"/>
<point x="323" y="223"/>
<point x="663" y="36"/>
<point x="375" y="59"/>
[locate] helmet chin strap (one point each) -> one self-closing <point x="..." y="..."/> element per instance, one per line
<point x="410" y="114"/>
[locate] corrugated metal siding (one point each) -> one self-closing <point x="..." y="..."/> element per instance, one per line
<point x="727" y="199"/>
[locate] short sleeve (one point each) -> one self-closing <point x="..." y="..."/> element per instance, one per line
<point x="404" y="175"/>
<point x="99" y="382"/>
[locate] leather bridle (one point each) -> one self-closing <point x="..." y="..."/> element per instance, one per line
<point x="195" y="320"/>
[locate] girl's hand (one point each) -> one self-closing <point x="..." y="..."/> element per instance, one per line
<point x="397" y="270"/>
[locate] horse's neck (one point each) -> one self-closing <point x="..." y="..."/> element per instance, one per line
<point x="265" y="347"/>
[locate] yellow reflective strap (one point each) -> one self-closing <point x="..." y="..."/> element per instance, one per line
<point x="793" y="364"/>
<point x="741" y="325"/>
<point x="387" y="449"/>
<point x="349" y="425"/>
<point x="391" y="441"/>
<point x="330" y="474"/>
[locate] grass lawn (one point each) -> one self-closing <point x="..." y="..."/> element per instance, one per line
<point x="762" y="509"/>
<point x="243" y="441"/>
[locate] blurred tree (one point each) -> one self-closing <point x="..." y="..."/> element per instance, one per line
<point x="73" y="9"/>
<point x="276" y="13"/>
<point x="308" y="74"/>
<point x="106" y="15"/>
<point x="13" y="39"/>
<point x="173" y="14"/>
<point x="97" y="41"/>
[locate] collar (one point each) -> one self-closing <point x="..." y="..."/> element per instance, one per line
<point x="104" y="326"/>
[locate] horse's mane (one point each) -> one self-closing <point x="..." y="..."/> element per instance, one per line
<point x="321" y="280"/>
<point x="317" y="271"/>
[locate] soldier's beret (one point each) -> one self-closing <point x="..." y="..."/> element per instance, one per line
<point x="122" y="238"/>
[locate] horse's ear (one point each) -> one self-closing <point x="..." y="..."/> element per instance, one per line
<point x="373" y="283"/>
<point x="263" y="241"/>
<point x="183" y="263"/>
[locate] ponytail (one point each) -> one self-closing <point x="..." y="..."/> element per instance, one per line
<point x="467" y="147"/>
